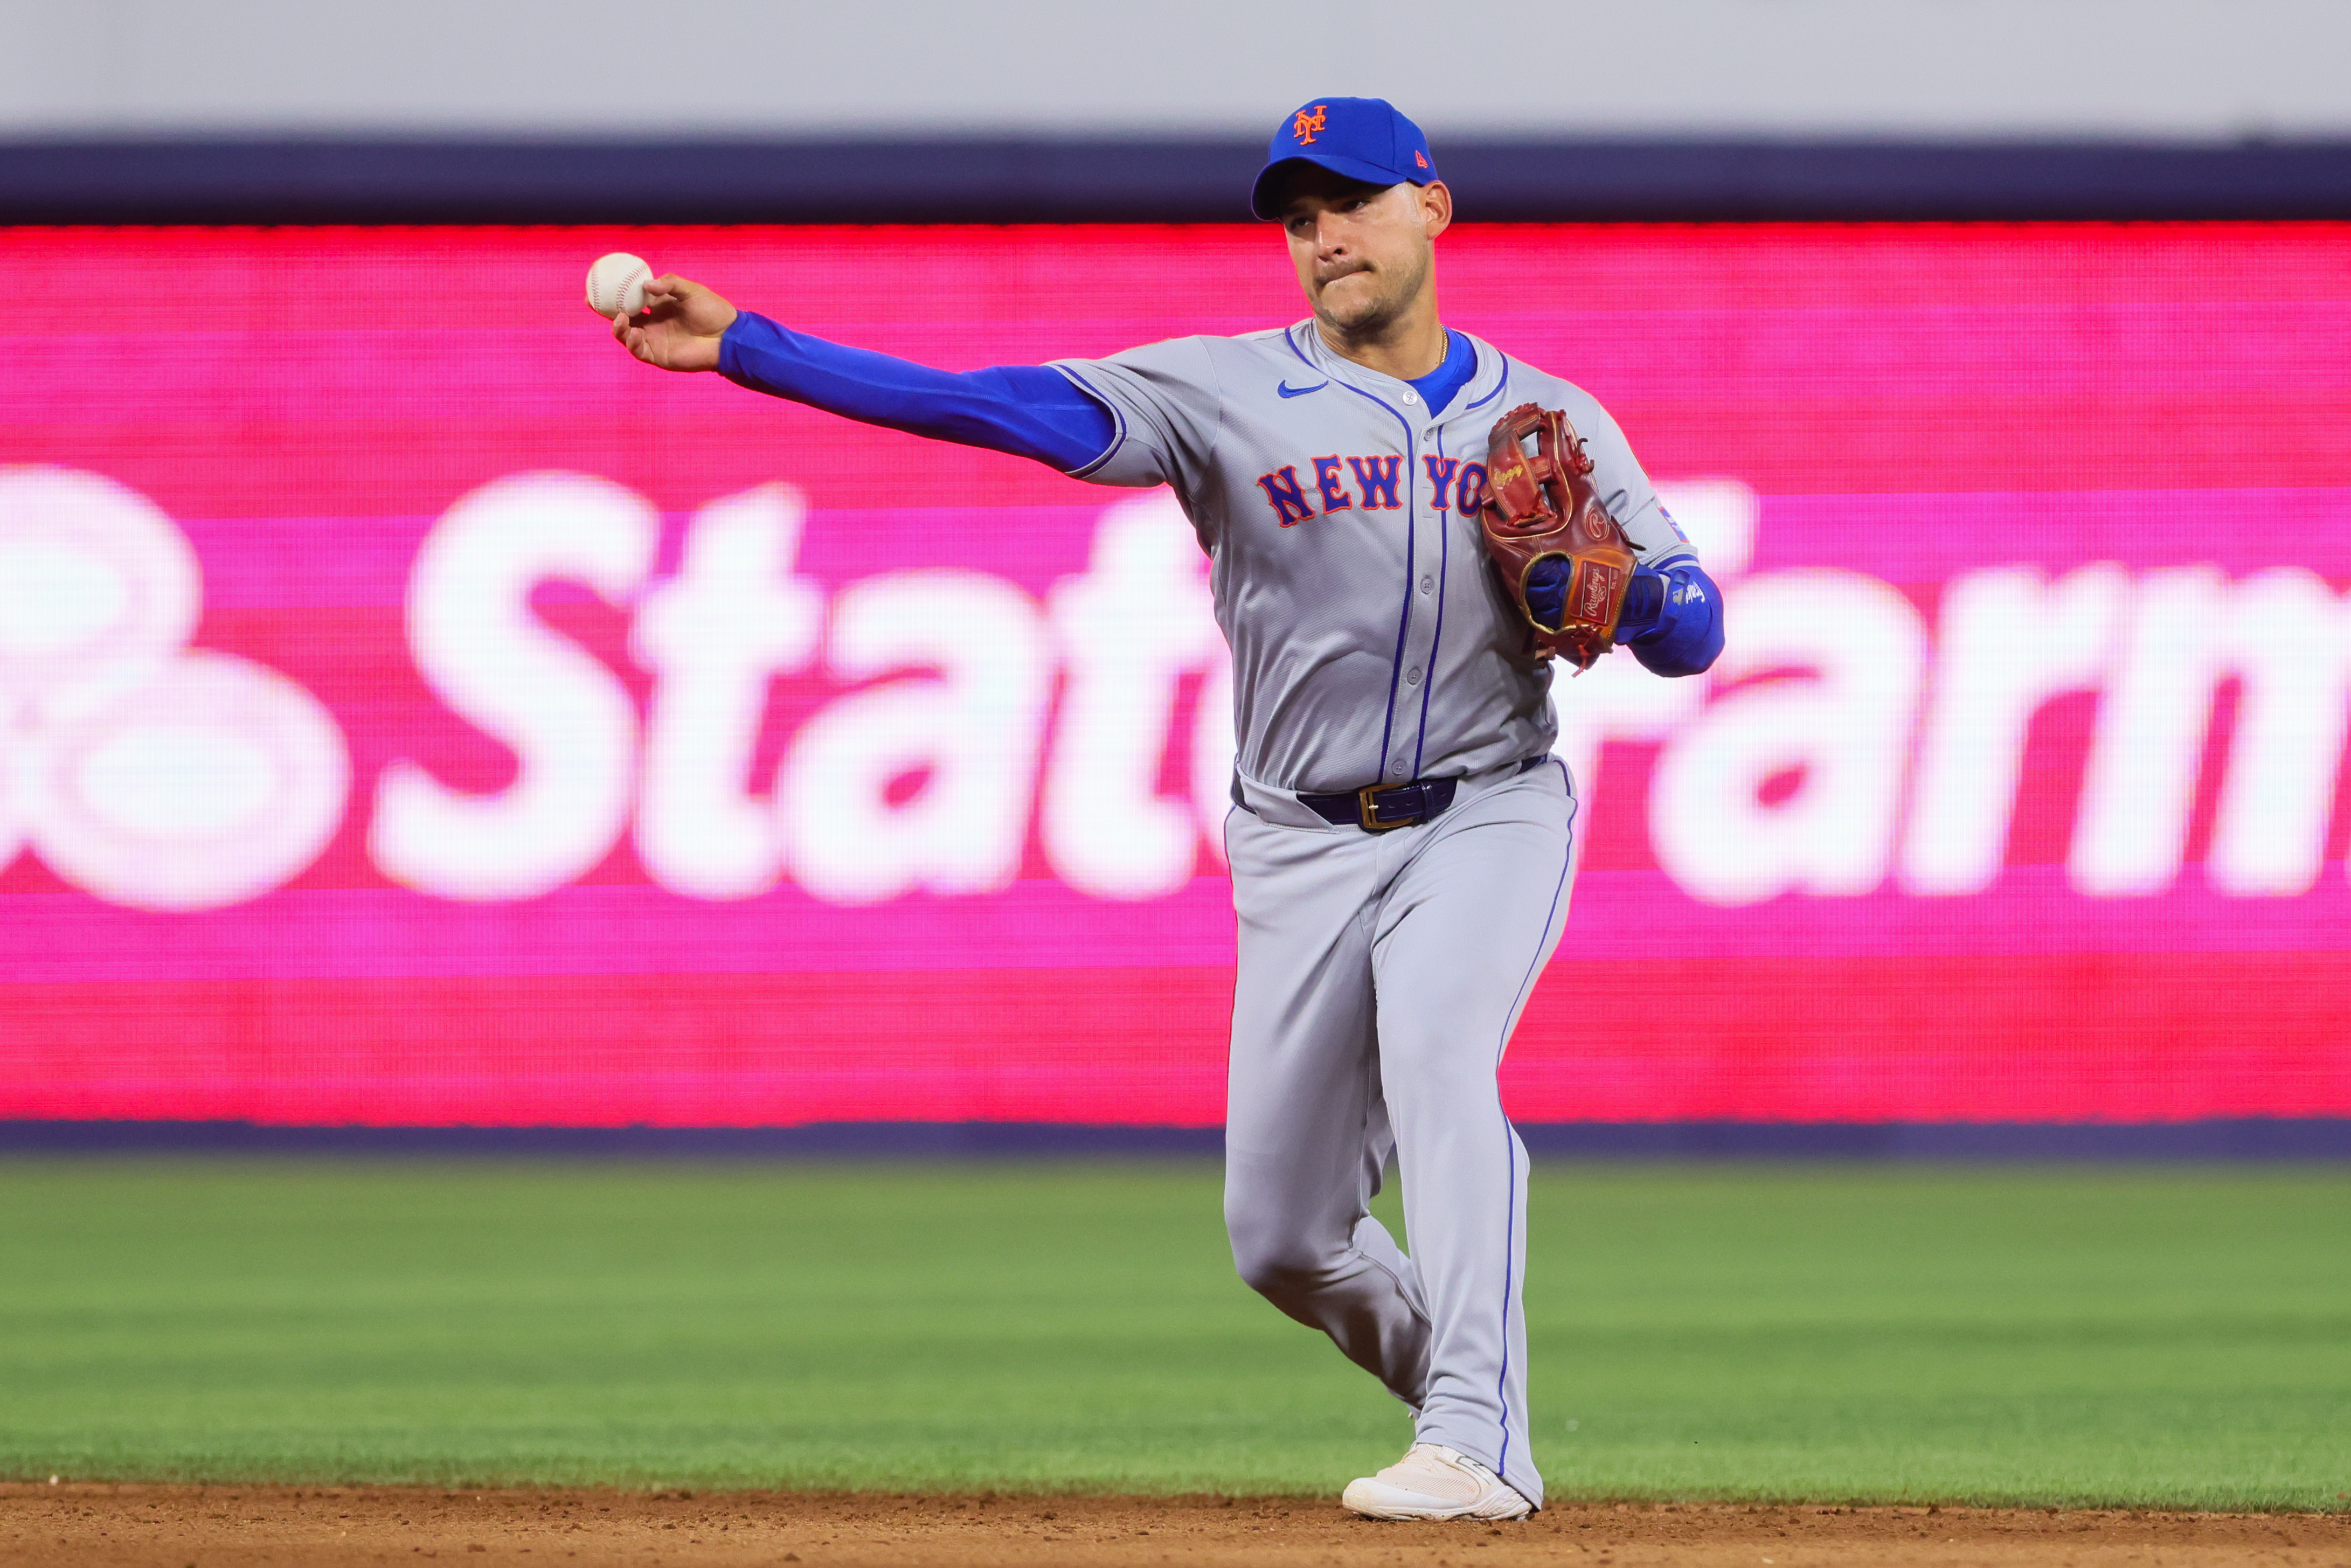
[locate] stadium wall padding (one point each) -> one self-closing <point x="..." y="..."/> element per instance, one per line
<point x="1113" y="178"/>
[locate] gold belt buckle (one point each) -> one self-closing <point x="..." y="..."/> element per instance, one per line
<point x="1368" y="815"/>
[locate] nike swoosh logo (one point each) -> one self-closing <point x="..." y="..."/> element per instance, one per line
<point x="1285" y="390"/>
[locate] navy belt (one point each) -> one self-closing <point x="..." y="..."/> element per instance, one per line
<point x="1379" y="810"/>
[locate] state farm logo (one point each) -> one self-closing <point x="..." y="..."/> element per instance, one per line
<point x="159" y="777"/>
<point x="1847" y="741"/>
<point x="143" y="771"/>
<point x="941" y="675"/>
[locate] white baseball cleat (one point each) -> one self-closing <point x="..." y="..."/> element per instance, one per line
<point x="1433" y="1482"/>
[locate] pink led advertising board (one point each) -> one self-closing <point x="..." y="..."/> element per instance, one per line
<point x="414" y="712"/>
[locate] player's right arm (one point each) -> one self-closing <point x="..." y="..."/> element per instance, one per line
<point x="1027" y="410"/>
<point x="683" y="325"/>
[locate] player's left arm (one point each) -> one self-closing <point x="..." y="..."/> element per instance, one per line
<point x="1672" y="617"/>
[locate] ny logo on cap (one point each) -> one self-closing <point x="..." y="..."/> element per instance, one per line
<point x="1308" y="124"/>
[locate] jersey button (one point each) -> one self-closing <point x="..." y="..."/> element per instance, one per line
<point x="1396" y="769"/>
<point x="1412" y="676"/>
<point x="1411" y="396"/>
<point x="1429" y="585"/>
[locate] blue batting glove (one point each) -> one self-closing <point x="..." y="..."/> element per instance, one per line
<point x="1547" y="590"/>
<point x="1645" y="604"/>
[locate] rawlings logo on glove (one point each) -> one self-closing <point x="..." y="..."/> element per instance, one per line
<point x="1563" y="557"/>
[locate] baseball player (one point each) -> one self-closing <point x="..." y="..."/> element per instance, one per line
<point x="1400" y="832"/>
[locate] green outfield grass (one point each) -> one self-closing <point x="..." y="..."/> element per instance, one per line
<point x="2178" y="1337"/>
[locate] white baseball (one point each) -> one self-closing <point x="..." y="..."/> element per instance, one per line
<point x="616" y="285"/>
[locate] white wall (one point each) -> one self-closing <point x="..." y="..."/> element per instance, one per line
<point x="2137" y="68"/>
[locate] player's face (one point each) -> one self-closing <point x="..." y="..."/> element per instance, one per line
<point x="1363" y="253"/>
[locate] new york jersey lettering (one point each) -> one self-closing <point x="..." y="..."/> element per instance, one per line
<point x="1375" y="479"/>
<point x="1282" y="489"/>
<point x="1471" y="494"/>
<point x="1334" y="491"/>
<point x="1440" y="479"/>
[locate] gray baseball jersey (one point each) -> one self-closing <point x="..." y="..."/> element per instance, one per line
<point x="1371" y="640"/>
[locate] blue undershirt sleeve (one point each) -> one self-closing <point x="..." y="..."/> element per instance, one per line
<point x="1673" y="619"/>
<point x="1029" y="411"/>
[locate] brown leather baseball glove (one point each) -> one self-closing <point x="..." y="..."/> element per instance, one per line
<point x="1552" y="538"/>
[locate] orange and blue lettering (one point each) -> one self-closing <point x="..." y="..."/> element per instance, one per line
<point x="1471" y="494"/>
<point x="1282" y="489"/>
<point x="1334" y="493"/>
<point x="1440" y="478"/>
<point x="1377" y="478"/>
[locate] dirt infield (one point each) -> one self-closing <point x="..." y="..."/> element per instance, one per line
<point x="97" y="1526"/>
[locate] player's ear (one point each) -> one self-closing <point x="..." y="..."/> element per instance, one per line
<point x="1436" y="208"/>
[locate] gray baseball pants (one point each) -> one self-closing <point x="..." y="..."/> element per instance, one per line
<point x="1380" y="977"/>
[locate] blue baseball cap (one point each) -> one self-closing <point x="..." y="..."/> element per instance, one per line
<point x="1365" y="138"/>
